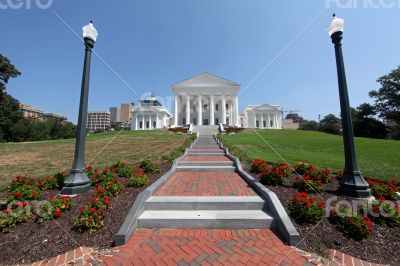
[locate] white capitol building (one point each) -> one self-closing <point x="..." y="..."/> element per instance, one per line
<point x="205" y="100"/>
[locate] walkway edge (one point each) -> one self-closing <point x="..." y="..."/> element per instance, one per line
<point x="131" y="221"/>
<point x="284" y="224"/>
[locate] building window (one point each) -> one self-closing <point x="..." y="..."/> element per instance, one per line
<point x="271" y="123"/>
<point x="216" y="121"/>
<point x="184" y="121"/>
<point x="147" y="124"/>
<point x="257" y="124"/>
<point x="194" y="121"/>
<point x="141" y="124"/>
<point x="205" y="107"/>
<point x="264" y="123"/>
<point x="216" y="107"/>
<point x="154" y="124"/>
<point x="205" y="122"/>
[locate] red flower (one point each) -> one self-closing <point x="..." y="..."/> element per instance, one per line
<point x="114" y="170"/>
<point x="17" y="194"/>
<point x="18" y="177"/>
<point x="92" y="210"/>
<point x="57" y="213"/>
<point x="52" y="197"/>
<point x="34" y="194"/>
<point x="90" y="219"/>
<point x="65" y="197"/>
<point x="20" y="204"/>
<point x="5" y="211"/>
<point x="105" y="170"/>
<point x="82" y="210"/>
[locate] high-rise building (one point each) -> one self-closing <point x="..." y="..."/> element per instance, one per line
<point x="115" y="114"/>
<point x="126" y="112"/>
<point x="98" y="121"/>
<point x="29" y="111"/>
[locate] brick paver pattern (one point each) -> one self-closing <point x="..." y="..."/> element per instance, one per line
<point x="205" y="184"/>
<point x="205" y="247"/>
<point x="205" y="159"/>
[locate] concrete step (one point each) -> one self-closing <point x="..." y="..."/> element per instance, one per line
<point x="205" y="153"/>
<point x="205" y="169"/>
<point x="228" y="219"/>
<point x="205" y="163"/>
<point x="205" y="203"/>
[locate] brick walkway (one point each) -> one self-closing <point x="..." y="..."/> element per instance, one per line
<point x="205" y="184"/>
<point x="206" y="247"/>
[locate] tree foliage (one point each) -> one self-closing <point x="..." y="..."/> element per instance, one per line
<point x="331" y="124"/>
<point x="309" y="125"/>
<point x="9" y="107"/>
<point x="387" y="100"/>
<point x="365" y="124"/>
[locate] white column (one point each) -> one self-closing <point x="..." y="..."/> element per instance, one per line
<point x="187" y="109"/>
<point x="200" y="111"/>
<point x="212" y="110"/>
<point x="236" y="110"/>
<point x="176" y="110"/>
<point x="262" y="120"/>
<point x="150" y="127"/>
<point x="223" y="110"/>
<point x="275" y="121"/>
<point x="268" y="121"/>
<point x="136" y="121"/>
<point x="143" y="124"/>
<point x="230" y="113"/>
<point x="255" y="120"/>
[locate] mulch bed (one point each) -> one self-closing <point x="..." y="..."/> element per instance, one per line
<point x="30" y="242"/>
<point x="382" y="247"/>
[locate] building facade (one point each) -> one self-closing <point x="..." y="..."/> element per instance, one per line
<point x="126" y="112"/>
<point x="98" y="121"/>
<point x="262" y="116"/>
<point x="149" y="115"/>
<point x="115" y="114"/>
<point x="30" y="112"/>
<point x="206" y="100"/>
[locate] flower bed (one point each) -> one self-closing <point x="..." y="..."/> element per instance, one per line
<point x="374" y="239"/>
<point x="306" y="209"/>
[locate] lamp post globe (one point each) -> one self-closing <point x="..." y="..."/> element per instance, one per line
<point x="352" y="184"/>
<point x="78" y="181"/>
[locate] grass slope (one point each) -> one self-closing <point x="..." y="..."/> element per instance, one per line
<point x="48" y="157"/>
<point x="378" y="159"/>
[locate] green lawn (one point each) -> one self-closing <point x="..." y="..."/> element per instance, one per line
<point x="49" y="157"/>
<point x="378" y="159"/>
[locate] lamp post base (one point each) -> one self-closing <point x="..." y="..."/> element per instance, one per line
<point x="354" y="186"/>
<point x="77" y="182"/>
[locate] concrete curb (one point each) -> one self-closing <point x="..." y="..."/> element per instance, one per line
<point x="284" y="224"/>
<point x="131" y="221"/>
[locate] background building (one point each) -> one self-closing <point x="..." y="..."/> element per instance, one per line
<point x="98" y="121"/>
<point x="150" y="114"/>
<point x="29" y="111"/>
<point x="126" y="112"/>
<point x="262" y="116"/>
<point x="115" y="114"/>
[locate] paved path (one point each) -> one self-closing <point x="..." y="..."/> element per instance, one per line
<point x="205" y="192"/>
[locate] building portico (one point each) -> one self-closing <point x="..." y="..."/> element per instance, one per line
<point x="206" y="100"/>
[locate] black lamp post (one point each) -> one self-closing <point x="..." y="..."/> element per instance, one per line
<point x="352" y="184"/>
<point x="78" y="181"/>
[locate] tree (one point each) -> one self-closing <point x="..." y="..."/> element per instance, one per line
<point x="387" y="100"/>
<point x="365" y="124"/>
<point x="9" y="107"/>
<point x="331" y="124"/>
<point x="309" y="125"/>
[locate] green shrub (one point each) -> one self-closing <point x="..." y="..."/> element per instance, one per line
<point x="149" y="166"/>
<point x="350" y="223"/>
<point x="138" y="179"/>
<point x="306" y="209"/>
<point x="385" y="213"/>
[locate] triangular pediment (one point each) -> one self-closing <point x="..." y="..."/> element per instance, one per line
<point x="264" y="107"/>
<point x="206" y="80"/>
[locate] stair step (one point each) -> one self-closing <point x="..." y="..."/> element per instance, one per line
<point x="205" y="153"/>
<point x="246" y="219"/>
<point x="205" y="163"/>
<point x="205" y="203"/>
<point x="205" y="169"/>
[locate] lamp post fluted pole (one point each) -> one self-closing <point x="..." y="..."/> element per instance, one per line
<point x="352" y="184"/>
<point x="78" y="181"/>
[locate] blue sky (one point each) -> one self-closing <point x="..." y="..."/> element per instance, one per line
<point x="152" y="44"/>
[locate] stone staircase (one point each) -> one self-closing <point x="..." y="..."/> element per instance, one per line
<point x="205" y="130"/>
<point x="229" y="203"/>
